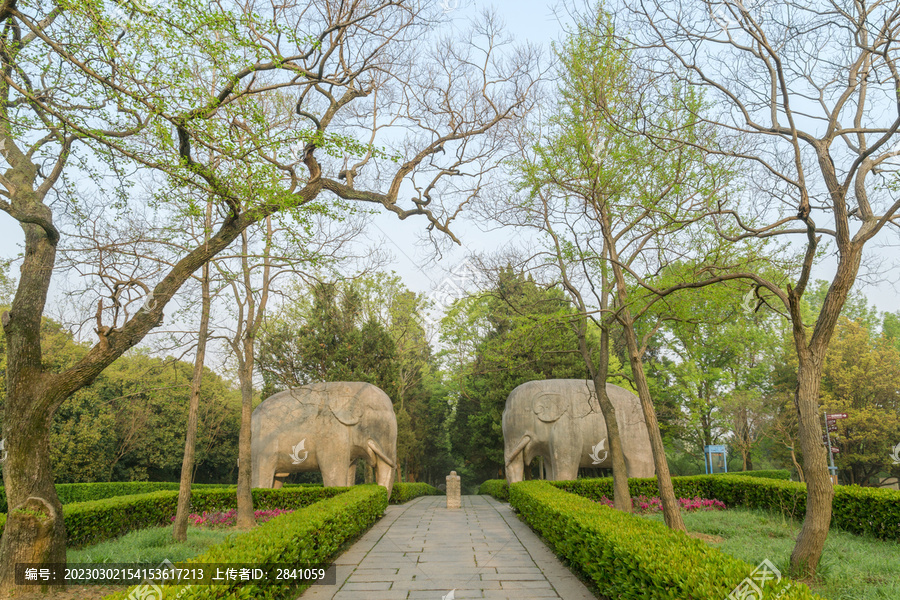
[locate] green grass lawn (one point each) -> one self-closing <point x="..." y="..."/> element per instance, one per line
<point x="852" y="568"/>
<point x="150" y="546"/>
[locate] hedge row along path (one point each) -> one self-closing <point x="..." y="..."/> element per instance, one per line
<point x="423" y="550"/>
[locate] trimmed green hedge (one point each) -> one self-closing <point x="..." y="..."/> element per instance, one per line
<point x="91" y="522"/>
<point x="630" y="557"/>
<point x="771" y="474"/>
<point x="858" y="510"/>
<point x="863" y="510"/>
<point x="311" y="535"/>
<point x="404" y="492"/>
<point x="69" y="493"/>
<point x="498" y="488"/>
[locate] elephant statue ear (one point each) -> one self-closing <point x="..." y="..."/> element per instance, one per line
<point x="550" y="407"/>
<point x="347" y="408"/>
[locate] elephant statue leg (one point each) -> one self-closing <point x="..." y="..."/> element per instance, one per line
<point x="262" y="470"/>
<point x="280" y="478"/>
<point x="334" y="471"/>
<point x="549" y="470"/>
<point x="351" y="473"/>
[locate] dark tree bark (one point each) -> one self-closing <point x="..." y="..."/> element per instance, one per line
<point x="671" y="510"/>
<point x="179" y="531"/>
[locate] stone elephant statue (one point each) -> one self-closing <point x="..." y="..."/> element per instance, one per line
<point x="560" y="420"/>
<point x="324" y="427"/>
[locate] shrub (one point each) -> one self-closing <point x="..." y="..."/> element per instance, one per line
<point x="645" y="505"/>
<point x="312" y="535"/>
<point x="98" y="520"/>
<point x="863" y="510"/>
<point x="228" y="518"/>
<point x="630" y="557"/>
<point x="69" y="493"/>
<point x="498" y="488"/>
<point x="404" y="492"/>
<point x="873" y="511"/>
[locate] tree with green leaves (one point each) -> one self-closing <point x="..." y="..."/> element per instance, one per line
<point x="719" y="367"/>
<point x="820" y="175"/>
<point x="325" y="336"/>
<point x="511" y="333"/>
<point x="104" y="96"/>
<point x="127" y="424"/>
<point x="624" y="222"/>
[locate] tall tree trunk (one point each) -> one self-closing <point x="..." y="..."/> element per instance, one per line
<point x="811" y="355"/>
<point x="28" y="478"/>
<point x="244" y="346"/>
<point x="599" y="374"/>
<point x="31" y="400"/>
<point x="746" y="440"/>
<point x="179" y="532"/>
<point x="245" y="517"/>
<point x="819" y="489"/>
<point x="671" y="511"/>
<point x="621" y="492"/>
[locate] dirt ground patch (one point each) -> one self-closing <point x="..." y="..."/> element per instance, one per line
<point x="705" y="537"/>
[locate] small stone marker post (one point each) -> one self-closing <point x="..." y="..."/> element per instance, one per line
<point x="453" y="499"/>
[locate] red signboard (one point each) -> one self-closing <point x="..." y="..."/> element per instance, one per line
<point x="834" y="450"/>
<point x="832" y="427"/>
<point x="833" y="416"/>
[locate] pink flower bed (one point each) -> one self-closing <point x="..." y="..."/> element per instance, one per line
<point x="227" y="519"/>
<point x="645" y="505"/>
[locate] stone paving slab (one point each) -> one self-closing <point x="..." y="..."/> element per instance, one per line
<point x="422" y="551"/>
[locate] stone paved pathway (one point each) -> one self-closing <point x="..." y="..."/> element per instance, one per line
<point x="421" y="550"/>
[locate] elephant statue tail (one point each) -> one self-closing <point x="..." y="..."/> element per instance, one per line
<point x="519" y="447"/>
